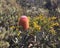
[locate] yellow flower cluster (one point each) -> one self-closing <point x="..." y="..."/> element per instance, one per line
<point x="44" y="23"/>
<point x="52" y="31"/>
<point x="55" y="24"/>
<point x="36" y="27"/>
<point x="18" y="34"/>
<point x="12" y="27"/>
<point x="53" y="18"/>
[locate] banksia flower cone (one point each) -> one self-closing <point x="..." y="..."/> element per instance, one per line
<point x="24" y="22"/>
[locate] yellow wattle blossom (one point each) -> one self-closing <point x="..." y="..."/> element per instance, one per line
<point x="52" y="31"/>
<point x="12" y="27"/>
<point x="34" y="24"/>
<point x="41" y="17"/>
<point x="36" y="27"/>
<point x="55" y="24"/>
<point x="53" y="18"/>
<point x="18" y="33"/>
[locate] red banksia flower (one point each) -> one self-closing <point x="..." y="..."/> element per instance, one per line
<point x="24" y="22"/>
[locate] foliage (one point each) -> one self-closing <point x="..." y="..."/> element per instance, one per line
<point x="37" y="24"/>
<point x="43" y="23"/>
<point x="10" y="12"/>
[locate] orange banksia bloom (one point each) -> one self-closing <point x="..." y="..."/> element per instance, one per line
<point x="24" y="22"/>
